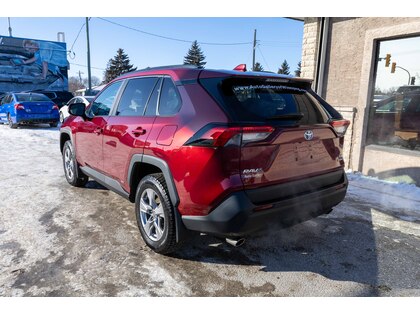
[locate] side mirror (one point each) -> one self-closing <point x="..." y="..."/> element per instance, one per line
<point x="77" y="109"/>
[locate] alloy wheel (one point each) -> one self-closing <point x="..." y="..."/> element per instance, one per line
<point x="68" y="163"/>
<point x="152" y="214"/>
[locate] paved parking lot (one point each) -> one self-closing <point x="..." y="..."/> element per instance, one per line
<point x="57" y="240"/>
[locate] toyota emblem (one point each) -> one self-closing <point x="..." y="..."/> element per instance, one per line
<point x="309" y="134"/>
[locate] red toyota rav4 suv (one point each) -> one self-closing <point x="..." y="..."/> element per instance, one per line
<point x="212" y="151"/>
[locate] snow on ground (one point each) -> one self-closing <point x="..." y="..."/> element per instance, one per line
<point x="400" y="199"/>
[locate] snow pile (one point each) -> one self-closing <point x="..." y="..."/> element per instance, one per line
<point x="400" y="199"/>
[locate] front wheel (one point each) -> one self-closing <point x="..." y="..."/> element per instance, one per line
<point x="155" y="214"/>
<point x="74" y="175"/>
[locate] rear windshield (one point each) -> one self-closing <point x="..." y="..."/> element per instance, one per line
<point x="32" y="98"/>
<point x="259" y="100"/>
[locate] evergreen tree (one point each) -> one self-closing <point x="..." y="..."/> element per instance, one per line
<point x="258" y="67"/>
<point x="118" y="65"/>
<point x="284" y="68"/>
<point x="195" y="56"/>
<point x="298" y="70"/>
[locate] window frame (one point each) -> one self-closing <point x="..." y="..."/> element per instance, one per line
<point x="122" y="90"/>
<point x="115" y="101"/>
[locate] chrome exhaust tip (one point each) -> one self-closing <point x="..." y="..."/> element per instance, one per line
<point x="236" y="242"/>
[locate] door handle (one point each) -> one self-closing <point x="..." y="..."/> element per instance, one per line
<point x="139" y="131"/>
<point x="98" y="131"/>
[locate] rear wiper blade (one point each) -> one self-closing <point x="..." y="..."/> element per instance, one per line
<point x="295" y="116"/>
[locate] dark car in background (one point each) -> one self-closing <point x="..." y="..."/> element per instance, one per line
<point x="28" y="108"/>
<point x="58" y="97"/>
<point x="395" y="120"/>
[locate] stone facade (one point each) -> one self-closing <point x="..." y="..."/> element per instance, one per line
<point x="310" y="42"/>
<point x="348" y="75"/>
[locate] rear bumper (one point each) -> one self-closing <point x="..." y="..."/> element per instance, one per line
<point x="37" y="118"/>
<point x="237" y="215"/>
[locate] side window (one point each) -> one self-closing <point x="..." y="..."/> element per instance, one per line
<point x="4" y="99"/>
<point x="170" y="101"/>
<point x="135" y="96"/>
<point x="103" y="103"/>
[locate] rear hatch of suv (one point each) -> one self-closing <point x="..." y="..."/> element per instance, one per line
<point x="288" y="138"/>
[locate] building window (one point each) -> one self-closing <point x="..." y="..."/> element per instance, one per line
<point x="394" y="113"/>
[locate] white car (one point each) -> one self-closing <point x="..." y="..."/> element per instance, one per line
<point x="64" y="112"/>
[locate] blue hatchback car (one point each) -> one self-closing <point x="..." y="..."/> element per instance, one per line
<point x="28" y="108"/>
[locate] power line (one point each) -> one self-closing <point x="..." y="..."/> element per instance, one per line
<point x="85" y="66"/>
<point x="172" y="38"/>
<point x="269" y="68"/>
<point x="78" y="34"/>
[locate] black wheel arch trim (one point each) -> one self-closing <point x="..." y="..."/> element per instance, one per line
<point x="181" y="232"/>
<point x="161" y="164"/>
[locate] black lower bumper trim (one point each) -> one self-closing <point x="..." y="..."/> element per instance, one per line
<point x="238" y="216"/>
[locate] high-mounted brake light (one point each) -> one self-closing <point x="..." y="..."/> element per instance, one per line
<point x="221" y="136"/>
<point x="340" y="126"/>
<point x="55" y="106"/>
<point x="241" y="67"/>
<point x="19" y="106"/>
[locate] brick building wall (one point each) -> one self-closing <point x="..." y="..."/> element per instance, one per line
<point x="349" y="72"/>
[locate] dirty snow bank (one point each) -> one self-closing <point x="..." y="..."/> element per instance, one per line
<point x="399" y="199"/>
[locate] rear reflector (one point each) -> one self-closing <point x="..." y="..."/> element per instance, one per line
<point x="55" y="106"/>
<point x="19" y="106"/>
<point x="340" y="126"/>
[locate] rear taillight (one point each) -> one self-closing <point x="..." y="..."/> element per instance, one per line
<point x="221" y="136"/>
<point x="19" y="106"/>
<point x="55" y="106"/>
<point x="340" y="126"/>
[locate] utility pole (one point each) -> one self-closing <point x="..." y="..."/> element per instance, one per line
<point x="253" y="49"/>
<point x="80" y="76"/>
<point x="88" y="57"/>
<point x="10" y="28"/>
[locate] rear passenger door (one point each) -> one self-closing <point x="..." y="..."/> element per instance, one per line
<point x="129" y="126"/>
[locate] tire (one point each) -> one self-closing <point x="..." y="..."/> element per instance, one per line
<point x="155" y="214"/>
<point x="11" y="124"/>
<point x="74" y="175"/>
<point x="54" y="124"/>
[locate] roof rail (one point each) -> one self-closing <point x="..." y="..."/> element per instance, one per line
<point x="169" y="67"/>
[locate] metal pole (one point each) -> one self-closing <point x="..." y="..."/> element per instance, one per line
<point x="409" y="75"/>
<point x="10" y="28"/>
<point x="253" y="50"/>
<point x="88" y="57"/>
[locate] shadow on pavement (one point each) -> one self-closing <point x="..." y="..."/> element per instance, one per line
<point x="340" y="249"/>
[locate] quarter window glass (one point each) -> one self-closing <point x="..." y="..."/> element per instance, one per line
<point x="135" y="96"/>
<point x="170" y="101"/>
<point x="103" y="103"/>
